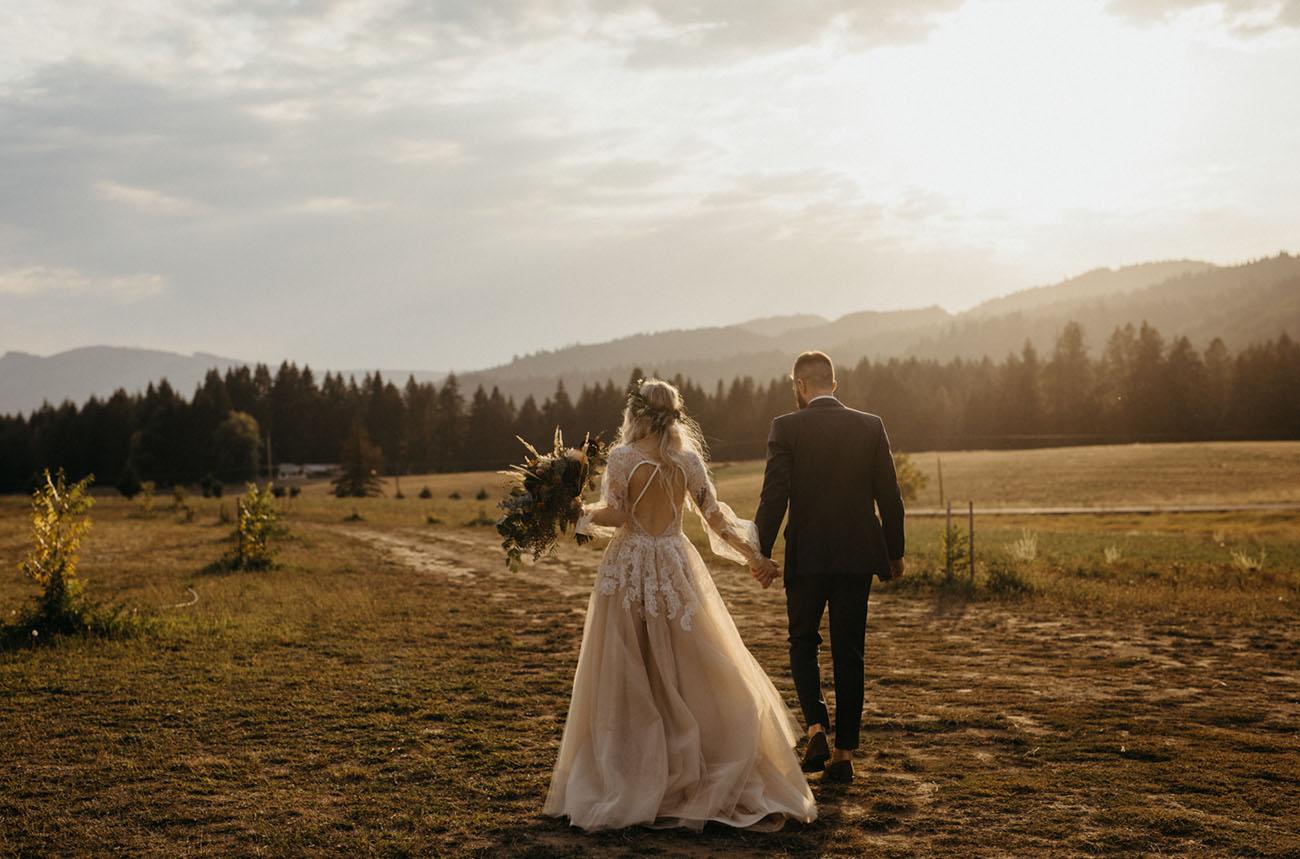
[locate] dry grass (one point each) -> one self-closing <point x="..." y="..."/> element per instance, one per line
<point x="1218" y="473"/>
<point x="392" y="690"/>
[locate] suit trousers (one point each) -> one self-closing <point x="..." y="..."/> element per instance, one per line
<point x="806" y="599"/>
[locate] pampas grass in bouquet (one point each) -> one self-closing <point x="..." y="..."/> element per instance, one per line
<point x="545" y="496"/>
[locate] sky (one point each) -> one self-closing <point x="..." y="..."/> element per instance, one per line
<point x="443" y="185"/>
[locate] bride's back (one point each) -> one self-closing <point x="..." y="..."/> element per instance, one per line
<point x="656" y="490"/>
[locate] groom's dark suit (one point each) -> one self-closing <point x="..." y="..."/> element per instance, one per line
<point x="831" y="465"/>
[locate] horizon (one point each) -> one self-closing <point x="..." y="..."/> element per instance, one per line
<point x="381" y="185"/>
<point x="276" y="361"/>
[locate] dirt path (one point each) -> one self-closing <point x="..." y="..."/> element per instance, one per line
<point x="990" y="728"/>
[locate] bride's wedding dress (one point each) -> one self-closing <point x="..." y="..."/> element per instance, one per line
<point x="672" y="721"/>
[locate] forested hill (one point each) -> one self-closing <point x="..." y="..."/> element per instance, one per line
<point x="1242" y="304"/>
<point x="1145" y="387"/>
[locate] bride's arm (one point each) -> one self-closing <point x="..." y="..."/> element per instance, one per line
<point x="600" y="519"/>
<point x="729" y="535"/>
<point x="602" y="514"/>
<point x="731" y="529"/>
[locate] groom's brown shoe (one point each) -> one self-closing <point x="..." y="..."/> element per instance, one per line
<point x="839" y="772"/>
<point x="817" y="753"/>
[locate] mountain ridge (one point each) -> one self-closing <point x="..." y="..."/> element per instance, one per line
<point x="1243" y="303"/>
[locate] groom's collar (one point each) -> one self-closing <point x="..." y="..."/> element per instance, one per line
<point x="823" y="401"/>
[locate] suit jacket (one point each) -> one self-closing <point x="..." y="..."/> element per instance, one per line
<point x="832" y="467"/>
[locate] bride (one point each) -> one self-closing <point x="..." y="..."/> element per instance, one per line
<point x="672" y="721"/>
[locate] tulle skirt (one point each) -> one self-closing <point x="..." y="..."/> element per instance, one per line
<point x="672" y="721"/>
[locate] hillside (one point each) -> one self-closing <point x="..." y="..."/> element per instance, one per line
<point x="27" y="380"/>
<point x="1093" y="284"/>
<point x="1242" y="304"/>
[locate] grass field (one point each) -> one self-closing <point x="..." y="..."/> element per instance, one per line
<point x="391" y="689"/>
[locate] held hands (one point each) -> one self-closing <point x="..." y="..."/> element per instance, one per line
<point x="764" y="570"/>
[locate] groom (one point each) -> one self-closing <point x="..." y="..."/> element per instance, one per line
<point x="832" y="467"/>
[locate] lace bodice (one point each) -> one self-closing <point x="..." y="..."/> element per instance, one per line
<point x="635" y="484"/>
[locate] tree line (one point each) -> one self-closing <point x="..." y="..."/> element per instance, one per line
<point x="1142" y="387"/>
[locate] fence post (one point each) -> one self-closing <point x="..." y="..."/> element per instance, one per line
<point x="971" y="541"/>
<point x="947" y="542"/>
<point x="939" y="460"/>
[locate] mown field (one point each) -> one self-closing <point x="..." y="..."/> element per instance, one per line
<point x="1130" y="687"/>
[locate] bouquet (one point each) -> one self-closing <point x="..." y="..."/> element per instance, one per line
<point x="544" y="500"/>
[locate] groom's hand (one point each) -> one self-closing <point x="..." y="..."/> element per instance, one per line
<point x="897" y="567"/>
<point x="765" y="571"/>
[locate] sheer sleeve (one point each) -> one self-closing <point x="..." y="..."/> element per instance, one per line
<point x="730" y="536"/>
<point x="602" y="518"/>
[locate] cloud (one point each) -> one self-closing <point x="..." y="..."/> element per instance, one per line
<point x="330" y="206"/>
<point x="39" y="280"/>
<point x="145" y="199"/>
<point x="732" y="30"/>
<point x="1245" y="17"/>
<point x="394" y="181"/>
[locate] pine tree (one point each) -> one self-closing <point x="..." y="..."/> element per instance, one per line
<point x="360" y="462"/>
<point x="449" y="426"/>
<point x="1068" y="385"/>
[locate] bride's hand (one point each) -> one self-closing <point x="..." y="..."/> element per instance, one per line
<point x="764" y="570"/>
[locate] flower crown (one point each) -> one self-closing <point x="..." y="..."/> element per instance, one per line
<point x="640" y="407"/>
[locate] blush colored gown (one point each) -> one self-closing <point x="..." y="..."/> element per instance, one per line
<point x="672" y="721"/>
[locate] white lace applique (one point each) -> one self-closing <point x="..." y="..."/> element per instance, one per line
<point x="654" y="571"/>
<point x="651" y="572"/>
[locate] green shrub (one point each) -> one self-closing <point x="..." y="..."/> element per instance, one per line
<point x="184" y="512"/>
<point x="911" y="480"/>
<point x="129" y="483"/>
<point x="957" y="542"/>
<point x="255" y="527"/>
<point x="426" y="493"/>
<point x="1009" y="580"/>
<point x="212" y="488"/>
<point x="60" y="519"/>
<point x="144" y="499"/>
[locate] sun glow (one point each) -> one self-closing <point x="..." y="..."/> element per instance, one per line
<point x="1023" y="109"/>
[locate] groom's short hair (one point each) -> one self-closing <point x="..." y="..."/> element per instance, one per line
<point x="815" y="368"/>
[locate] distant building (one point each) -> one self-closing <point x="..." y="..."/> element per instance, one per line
<point x="305" y="470"/>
